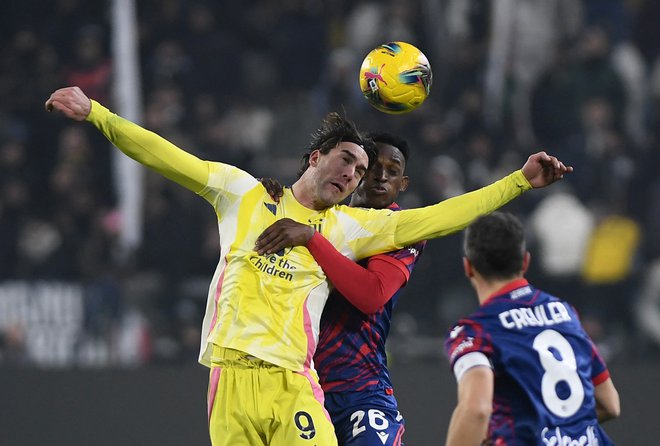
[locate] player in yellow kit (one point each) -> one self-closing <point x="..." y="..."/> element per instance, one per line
<point x="262" y="320"/>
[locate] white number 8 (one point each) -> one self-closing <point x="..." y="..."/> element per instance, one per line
<point x="557" y="370"/>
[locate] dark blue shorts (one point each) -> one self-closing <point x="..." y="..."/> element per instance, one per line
<point x="367" y="418"/>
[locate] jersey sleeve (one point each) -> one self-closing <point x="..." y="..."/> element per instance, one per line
<point x="367" y="232"/>
<point x="368" y="289"/>
<point x="599" y="371"/>
<point x="456" y="213"/>
<point x="211" y="180"/>
<point x="404" y="258"/>
<point x="150" y="149"/>
<point x="467" y="336"/>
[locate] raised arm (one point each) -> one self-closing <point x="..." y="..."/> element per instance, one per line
<point x="138" y="143"/>
<point x="456" y="213"/>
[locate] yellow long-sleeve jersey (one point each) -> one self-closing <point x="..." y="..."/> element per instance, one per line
<point x="270" y="306"/>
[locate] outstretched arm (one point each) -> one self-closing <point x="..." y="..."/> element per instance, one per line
<point x="407" y="227"/>
<point x="368" y="289"/>
<point x="456" y="213"/>
<point x="138" y="143"/>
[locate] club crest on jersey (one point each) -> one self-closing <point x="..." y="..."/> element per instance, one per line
<point x="317" y="225"/>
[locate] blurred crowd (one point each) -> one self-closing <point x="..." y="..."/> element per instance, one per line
<point x="246" y="83"/>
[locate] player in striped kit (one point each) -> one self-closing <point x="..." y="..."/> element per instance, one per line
<point x="351" y="356"/>
<point x="527" y="372"/>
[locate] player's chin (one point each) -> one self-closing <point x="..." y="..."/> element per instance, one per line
<point x="330" y="198"/>
<point x="378" y="201"/>
<point x="337" y="194"/>
<point x="340" y="197"/>
<point x="380" y="193"/>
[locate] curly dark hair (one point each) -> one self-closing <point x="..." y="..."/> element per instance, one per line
<point x="392" y="140"/>
<point x="333" y="130"/>
<point x="495" y="245"/>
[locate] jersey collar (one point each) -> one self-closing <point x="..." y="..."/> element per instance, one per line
<point x="513" y="285"/>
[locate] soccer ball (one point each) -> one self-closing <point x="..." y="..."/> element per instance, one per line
<point x="395" y="77"/>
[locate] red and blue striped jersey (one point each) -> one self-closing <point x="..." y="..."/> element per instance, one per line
<point x="351" y="353"/>
<point x="545" y="367"/>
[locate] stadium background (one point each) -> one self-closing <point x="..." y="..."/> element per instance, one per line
<point x="99" y="335"/>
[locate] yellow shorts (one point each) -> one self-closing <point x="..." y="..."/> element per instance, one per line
<point x="252" y="402"/>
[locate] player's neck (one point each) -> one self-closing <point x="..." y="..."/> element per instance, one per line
<point x="357" y="203"/>
<point x="486" y="288"/>
<point x="303" y="195"/>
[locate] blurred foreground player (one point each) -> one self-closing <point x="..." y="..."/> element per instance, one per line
<point x="527" y="372"/>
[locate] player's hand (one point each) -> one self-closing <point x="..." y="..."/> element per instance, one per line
<point x="281" y="234"/>
<point x="542" y="169"/>
<point x="273" y="187"/>
<point x="71" y="102"/>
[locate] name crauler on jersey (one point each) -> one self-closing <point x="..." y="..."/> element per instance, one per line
<point x="552" y="313"/>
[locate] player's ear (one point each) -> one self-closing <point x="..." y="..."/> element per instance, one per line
<point x="527" y="258"/>
<point x="467" y="267"/>
<point x="314" y="157"/>
<point x="404" y="183"/>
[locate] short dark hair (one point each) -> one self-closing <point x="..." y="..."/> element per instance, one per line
<point x="333" y="130"/>
<point x="392" y="140"/>
<point x="495" y="245"/>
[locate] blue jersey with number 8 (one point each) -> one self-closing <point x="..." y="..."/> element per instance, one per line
<point x="545" y="367"/>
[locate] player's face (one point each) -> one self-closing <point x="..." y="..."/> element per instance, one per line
<point x="384" y="180"/>
<point x="338" y="172"/>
